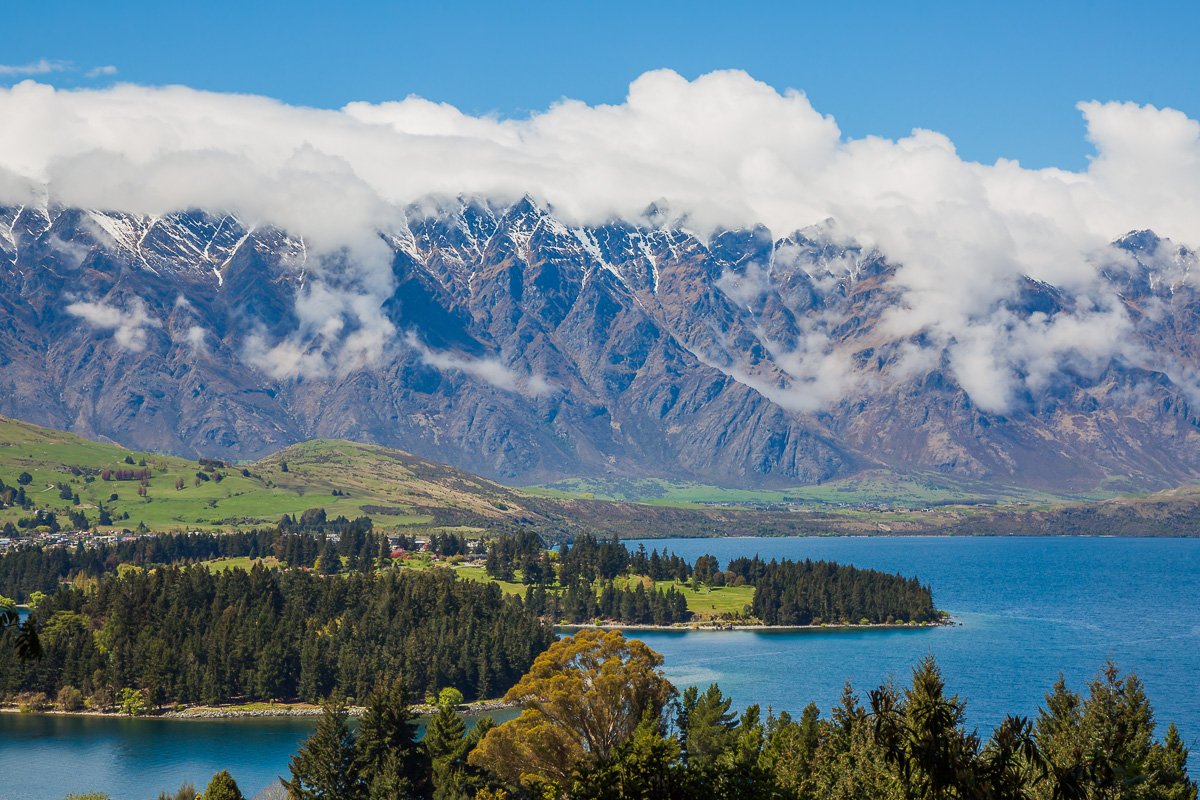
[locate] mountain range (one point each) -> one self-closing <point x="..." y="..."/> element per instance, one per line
<point x="500" y="339"/>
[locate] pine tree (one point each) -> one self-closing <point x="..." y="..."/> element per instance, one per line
<point x="385" y="553"/>
<point x="446" y="745"/>
<point x="923" y="734"/>
<point x="445" y="733"/>
<point x="710" y="725"/>
<point x="388" y="756"/>
<point x="331" y="562"/>
<point x="1168" y="765"/>
<point x="324" y="768"/>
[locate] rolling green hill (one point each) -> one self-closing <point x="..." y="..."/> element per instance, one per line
<point x="402" y="492"/>
<point x="396" y="489"/>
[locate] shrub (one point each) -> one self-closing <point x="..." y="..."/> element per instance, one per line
<point x="223" y="787"/>
<point x="134" y="702"/>
<point x="70" y="698"/>
<point x="185" y="792"/>
<point x="99" y="700"/>
<point x="450" y="697"/>
<point x="29" y="702"/>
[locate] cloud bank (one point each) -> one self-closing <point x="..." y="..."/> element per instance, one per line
<point x="722" y="150"/>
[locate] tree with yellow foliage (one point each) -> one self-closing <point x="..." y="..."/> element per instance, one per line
<point x="582" y="699"/>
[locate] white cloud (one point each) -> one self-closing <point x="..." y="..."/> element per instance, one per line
<point x="128" y="324"/>
<point x="745" y="287"/>
<point x="724" y="150"/>
<point x="286" y="359"/>
<point x="101" y="72"/>
<point x="196" y="337"/>
<point x="43" y="66"/>
<point x="489" y="370"/>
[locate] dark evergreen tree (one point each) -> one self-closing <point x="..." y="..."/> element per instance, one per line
<point x="325" y="768"/>
<point x="447" y="747"/>
<point x="330" y="562"/>
<point x="388" y="755"/>
<point x="708" y="726"/>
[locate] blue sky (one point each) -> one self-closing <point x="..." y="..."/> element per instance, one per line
<point x="1001" y="79"/>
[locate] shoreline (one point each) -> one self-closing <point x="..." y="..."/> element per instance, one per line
<point x="478" y="708"/>
<point x="718" y="627"/>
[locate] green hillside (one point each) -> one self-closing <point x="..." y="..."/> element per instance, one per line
<point x="402" y="492"/>
<point x="865" y="488"/>
<point x="396" y="489"/>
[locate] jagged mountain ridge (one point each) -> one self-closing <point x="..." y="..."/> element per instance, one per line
<point x="525" y="349"/>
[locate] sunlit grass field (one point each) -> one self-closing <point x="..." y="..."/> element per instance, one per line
<point x="395" y="489"/>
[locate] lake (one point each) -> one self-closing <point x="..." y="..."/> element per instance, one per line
<point x="1027" y="609"/>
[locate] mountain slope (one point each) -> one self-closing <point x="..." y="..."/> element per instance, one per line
<point x="501" y="340"/>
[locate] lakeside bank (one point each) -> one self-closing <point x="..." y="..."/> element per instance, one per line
<point x="473" y="710"/>
<point x="716" y="627"/>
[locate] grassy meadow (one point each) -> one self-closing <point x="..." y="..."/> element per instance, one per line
<point x="395" y="489"/>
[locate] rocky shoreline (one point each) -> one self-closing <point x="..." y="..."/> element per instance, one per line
<point x="476" y="709"/>
<point x="687" y="627"/>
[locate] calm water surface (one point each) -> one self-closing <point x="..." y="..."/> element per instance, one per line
<point x="1028" y="608"/>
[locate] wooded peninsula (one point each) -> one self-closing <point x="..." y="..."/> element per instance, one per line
<point x="315" y="606"/>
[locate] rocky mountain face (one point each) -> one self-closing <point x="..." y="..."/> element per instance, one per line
<point x="510" y="344"/>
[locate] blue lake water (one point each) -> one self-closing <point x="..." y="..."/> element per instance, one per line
<point x="1028" y="608"/>
<point x="49" y="757"/>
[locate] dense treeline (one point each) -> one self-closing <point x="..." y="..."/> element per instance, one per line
<point x="587" y="575"/>
<point x="315" y="520"/>
<point x="185" y="634"/>
<point x="298" y="542"/>
<point x="591" y="559"/>
<point x="584" y="558"/>
<point x="581" y="603"/>
<point x="30" y="569"/>
<point x="811" y="592"/>
<point x="449" y="544"/>
<point x="599" y="722"/>
<point x="522" y="551"/>
<point x="665" y="567"/>
<point x="350" y="546"/>
<point x="587" y="580"/>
